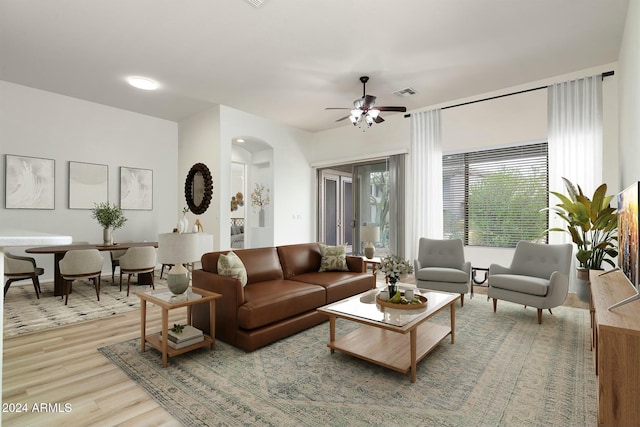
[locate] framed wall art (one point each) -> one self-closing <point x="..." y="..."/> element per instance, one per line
<point x="88" y="185"/>
<point x="29" y="182"/>
<point x="136" y="188"/>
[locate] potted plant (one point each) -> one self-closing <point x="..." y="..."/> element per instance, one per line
<point x="110" y="217"/>
<point x="592" y="224"/>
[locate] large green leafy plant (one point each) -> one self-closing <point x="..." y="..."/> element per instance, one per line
<point x="591" y="222"/>
<point x="108" y="216"/>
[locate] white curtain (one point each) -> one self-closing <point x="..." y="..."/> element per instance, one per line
<point x="575" y="140"/>
<point x="425" y="198"/>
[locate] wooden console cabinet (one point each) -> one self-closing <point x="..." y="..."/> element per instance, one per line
<point x="616" y="336"/>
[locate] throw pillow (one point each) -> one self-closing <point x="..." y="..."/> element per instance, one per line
<point x="231" y="265"/>
<point x="334" y="258"/>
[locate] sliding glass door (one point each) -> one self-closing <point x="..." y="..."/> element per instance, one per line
<point x="363" y="201"/>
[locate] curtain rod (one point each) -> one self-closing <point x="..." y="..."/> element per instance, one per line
<point x="605" y="74"/>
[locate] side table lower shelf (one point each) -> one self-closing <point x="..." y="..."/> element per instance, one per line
<point x="154" y="341"/>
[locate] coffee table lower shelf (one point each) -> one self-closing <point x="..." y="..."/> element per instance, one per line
<point x="388" y="348"/>
<point x="154" y="341"/>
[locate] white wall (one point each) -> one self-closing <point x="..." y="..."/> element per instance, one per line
<point x="293" y="218"/>
<point x="629" y="66"/>
<point x="199" y="137"/>
<point x="43" y="124"/>
<point x="207" y="137"/>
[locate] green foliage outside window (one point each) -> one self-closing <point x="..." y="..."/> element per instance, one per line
<point x="505" y="207"/>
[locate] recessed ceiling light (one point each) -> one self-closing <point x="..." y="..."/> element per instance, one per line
<point x="142" y="83"/>
<point x="240" y="140"/>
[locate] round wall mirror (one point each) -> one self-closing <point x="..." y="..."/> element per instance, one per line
<point x="198" y="188"/>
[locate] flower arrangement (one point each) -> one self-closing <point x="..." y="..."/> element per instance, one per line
<point x="185" y="210"/>
<point x="393" y="267"/>
<point x="260" y="196"/>
<point x="108" y="216"/>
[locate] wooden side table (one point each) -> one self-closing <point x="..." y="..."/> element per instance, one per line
<point x="168" y="301"/>
<point x="373" y="262"/>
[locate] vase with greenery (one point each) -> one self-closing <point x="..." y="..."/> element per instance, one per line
<point x="260" y="198"/>
<point x="592" y="224"/>
<point x="110" y="217"/>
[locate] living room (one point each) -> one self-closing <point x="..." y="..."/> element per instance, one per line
<point x="63" y="127"/>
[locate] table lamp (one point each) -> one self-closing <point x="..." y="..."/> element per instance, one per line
<point x="369" y="234"/>
<point x="178" y="249"/>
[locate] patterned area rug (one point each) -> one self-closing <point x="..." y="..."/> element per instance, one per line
<point x="24" y="313"/>
<point x="503" y="370"/>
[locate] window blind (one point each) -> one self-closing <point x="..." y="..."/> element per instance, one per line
<point x="494" y="197"/>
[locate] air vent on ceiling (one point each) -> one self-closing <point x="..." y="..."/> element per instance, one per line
<point x="405" y="92"/>
<point x="256" y="3"/>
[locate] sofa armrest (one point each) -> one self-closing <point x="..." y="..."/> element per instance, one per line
<point x="355" y="264"/>
<point x="498" y="269"/>
<point x="226" y="307"/>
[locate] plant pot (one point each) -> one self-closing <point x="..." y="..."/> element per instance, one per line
<point x="582" y="273"/>
<point x="583" y="288"/>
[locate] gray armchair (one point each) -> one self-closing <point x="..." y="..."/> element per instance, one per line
<point x="538" y="277"/>
<point x="441" y="267"/>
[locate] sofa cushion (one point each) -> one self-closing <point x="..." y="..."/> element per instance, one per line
<point x="299" y="258"/>
<point x="522" y="284"/>
<point x="441" y="274"/>
<point x="231" y="265"/>
<point x="339" y="284"/>
<point x="275" y="300"/>
<point x="334" y="258"/>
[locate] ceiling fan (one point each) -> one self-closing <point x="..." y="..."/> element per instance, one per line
<point x="364" y="109"/>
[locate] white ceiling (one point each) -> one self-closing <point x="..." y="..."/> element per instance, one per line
<point x="289" y="59"/>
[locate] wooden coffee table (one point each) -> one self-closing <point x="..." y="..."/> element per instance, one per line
<point x="394" y="338"/>
<point x="167" y="301"/>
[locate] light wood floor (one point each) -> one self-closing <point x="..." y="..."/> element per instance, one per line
<point x="62" y="365"/>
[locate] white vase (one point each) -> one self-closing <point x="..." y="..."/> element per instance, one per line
<point x="183" y="224"/>
<point x="107" y="236"/>
<point x="261" y="218"/>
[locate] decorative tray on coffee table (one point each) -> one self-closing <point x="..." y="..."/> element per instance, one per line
<point x="414" y="306"/>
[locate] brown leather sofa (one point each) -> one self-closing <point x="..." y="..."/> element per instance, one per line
<point x="283" y="290"/>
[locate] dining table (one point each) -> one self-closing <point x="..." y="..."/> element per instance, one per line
<point x="59" y="251"/>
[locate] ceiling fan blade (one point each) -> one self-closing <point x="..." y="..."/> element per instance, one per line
<point x="399" y="109"/>
<point x="343" y="118"/>
<point x="378" y="119"/>
<point x="337" y="108"/>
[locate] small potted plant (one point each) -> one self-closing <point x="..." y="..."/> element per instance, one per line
<point x="110" y="217"/>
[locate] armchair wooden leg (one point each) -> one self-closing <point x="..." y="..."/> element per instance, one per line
<point x="128" y="283"/>
<point x="495" y="304"/>
<point x="539" y="316"/>
<point x="36" y="285"/>
<point x="461" y="300"/>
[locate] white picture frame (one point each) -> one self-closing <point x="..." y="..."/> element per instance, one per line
<point x="29" y="182"/>
<point x="88" y="184"/>
<point x="136" y="188"/>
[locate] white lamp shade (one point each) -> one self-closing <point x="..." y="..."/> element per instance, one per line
<point x="369" y="233"/>
<point x="174" y="248"/>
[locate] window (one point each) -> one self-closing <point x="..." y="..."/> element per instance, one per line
<point x="494" y="197"/>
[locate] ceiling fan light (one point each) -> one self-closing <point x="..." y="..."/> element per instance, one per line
<point x="369" y="120"/>
<point x="373" y="113"/>
<point x="356" y="113"/>
<point x="354" y="120"/>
